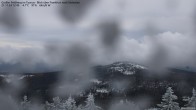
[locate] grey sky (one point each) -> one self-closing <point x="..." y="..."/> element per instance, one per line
<point x="173" y="20"/>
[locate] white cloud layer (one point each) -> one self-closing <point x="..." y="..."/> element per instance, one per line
<point x="170" y="39"/>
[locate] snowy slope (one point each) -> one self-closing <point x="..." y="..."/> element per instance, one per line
<point x="125" y="68"/>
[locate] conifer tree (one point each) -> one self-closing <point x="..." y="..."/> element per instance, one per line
<point x="57" y="105"/>
<point x="191" y="102"/>
<point x="25" y="104"/>
<point x="90" y="104"/>
<point x="49" y="106"/>
<point x="168" y="101"/>
<point x="80" y="107"/>
<point x="70" y="104"/>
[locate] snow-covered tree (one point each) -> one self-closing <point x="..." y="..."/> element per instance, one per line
<point x="70" y="104"/>
<point x="90" y="104"/>
<point x="25" y="104"/>
<point x="59" y="104"/>
<point x="168" y="101"/>
<point x="80" y="107"/>
<point x="56" y="105"/>
<point x="191" y="102"/>
<point x="49" y="106"/>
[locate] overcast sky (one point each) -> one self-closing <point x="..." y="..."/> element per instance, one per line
<point x="145" y="26"/>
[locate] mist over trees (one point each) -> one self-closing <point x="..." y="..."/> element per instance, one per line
<point x="158" y="34"/>
<point x="169" y="102"/>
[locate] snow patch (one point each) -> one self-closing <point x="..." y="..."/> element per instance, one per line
<point x="96" y="81"/>
<point x="102" y="91"/>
